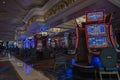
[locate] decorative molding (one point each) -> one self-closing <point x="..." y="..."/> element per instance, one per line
<point x="40" y="11"/>
<point x="79" y="5"/>
<point x="65" y="12"/>
<point x="36" y="18"/>
<point x="58" y="7"/>
<point x="115" y="2"/>
<point x="46" y="13"/>
<point x="21" y="30"/>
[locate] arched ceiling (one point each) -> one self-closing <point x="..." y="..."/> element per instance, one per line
<point x="28" y="4"/>
<point x="14" y="13"/>
<point x="75" y="10"/>
<point x="40" y="10"/>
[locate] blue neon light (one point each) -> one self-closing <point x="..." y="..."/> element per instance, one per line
<point x="73" y="61"/>
<point x="44" y="28"/>
<point x="32" y="43"/>
<point x="96" y="29"/>
<point x="95" y="61"/>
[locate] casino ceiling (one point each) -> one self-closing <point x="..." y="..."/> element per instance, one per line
<point x="15" y="15"/>
<point x="12" y="13"/>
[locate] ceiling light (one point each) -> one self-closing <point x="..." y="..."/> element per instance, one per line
<point x="3" y="2"/>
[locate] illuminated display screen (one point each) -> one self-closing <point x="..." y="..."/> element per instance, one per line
<point x="95" y="16"/>
<point x="96" y="29"/>
<point x="97" y="41"/>
<point x="32" y="43"/>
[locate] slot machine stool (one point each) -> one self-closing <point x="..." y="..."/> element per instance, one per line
<point x="108" y="58"/>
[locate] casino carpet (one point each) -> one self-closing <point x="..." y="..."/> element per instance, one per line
<point x="7" y="72"/>
<point x="59" y="74"/>
<point x="46" y="66"/>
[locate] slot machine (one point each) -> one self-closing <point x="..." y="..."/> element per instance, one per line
<point x="26" y="43"/>
<point x="97" y="35"/>
<point x="38" y="41"/>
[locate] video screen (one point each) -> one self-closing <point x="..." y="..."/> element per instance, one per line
<point x="96" y="29"/>
<point x="97" y="41"/>
<point x="95" y="16"/>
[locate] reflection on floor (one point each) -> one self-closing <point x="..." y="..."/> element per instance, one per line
<point x="46" y="66"/>
<point x="26" y="71"/>
<point x="39" y="69"/>
<point x="7" y="72"/>
<point x="12" y="68"/>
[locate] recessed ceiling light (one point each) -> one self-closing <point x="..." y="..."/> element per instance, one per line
<point x="3" y="2"/>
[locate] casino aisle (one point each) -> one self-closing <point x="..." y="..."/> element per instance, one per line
<point x="14" y="69"/>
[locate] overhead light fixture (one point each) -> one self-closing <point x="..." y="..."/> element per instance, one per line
<point x="56" y="30"/>
<point x="3" y="2"/>
<point x="1" y="41"/>
<point x="30" y="37"/>
<point x="80" y="20"/>
<point x="44" y="33"/>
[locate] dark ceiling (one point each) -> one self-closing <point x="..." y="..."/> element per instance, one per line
<point x="12" y="13"/>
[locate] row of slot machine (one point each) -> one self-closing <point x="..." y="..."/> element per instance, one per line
<point x="28" y="43"/>
<point x="8" y="44"/>
<point x="67" y="39"/>
<point x="37" y="42"/>
<point x="41" y="42"/>
<point x="98" y="34"/>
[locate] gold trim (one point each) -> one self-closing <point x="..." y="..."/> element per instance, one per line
<point x="52" y="11"/>
<point x="58" y="7"/>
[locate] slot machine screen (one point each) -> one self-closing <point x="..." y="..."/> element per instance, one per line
<point x="98" y="41"/>
<point x="96" y="29"/>
<point x="95" y="16"/>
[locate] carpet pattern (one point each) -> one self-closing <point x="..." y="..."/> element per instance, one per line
<point x="59" y="74"/>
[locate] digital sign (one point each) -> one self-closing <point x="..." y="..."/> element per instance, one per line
<point x="95" y="16"/>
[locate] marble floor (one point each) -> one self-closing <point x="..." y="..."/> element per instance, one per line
<point x="21" y="70"/>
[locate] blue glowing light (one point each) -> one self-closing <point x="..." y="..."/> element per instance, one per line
<point x="26" y="43"/>
<point x="73" y="61"/>
<point x="95" y="61"/>
<point x="96" y="29"/>
<point x="44" y="28"/>
<point x="27" y="68"/>
<point x="94" y="16"/>
<point x="32" y="43"/>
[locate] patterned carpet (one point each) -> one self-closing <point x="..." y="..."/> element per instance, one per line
<point x="47" y="67"/>
<point x="59" y="74"/>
